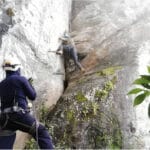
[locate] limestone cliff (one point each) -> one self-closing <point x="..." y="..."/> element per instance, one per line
<point x="112" y="39"/>
<point x="28" y="30"/>
<point x="95" y="111"/>
<point x="118" y="31"/>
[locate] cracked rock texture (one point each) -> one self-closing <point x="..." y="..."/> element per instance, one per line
<point x="116" y="33"/>
<point x="29" y="33"/>
<point x="28" y="30"/>
<point x="108" y="34"/>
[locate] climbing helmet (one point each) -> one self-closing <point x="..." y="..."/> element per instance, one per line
<point x="11" y="64"/>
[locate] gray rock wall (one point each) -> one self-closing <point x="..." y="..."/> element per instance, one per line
<point x="28" y="30"/>
<point x="118" y="33"/>
<point x="110" y="33"/>
<point x="28" y="34"/>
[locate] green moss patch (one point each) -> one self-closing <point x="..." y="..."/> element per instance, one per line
<point x="103" y="93"/>
<point x="80" y="97"/>
<point x="108" y="71"/>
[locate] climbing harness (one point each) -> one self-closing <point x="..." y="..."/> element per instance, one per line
<point x="4" y="119"/>
<point x="12" y="109"/>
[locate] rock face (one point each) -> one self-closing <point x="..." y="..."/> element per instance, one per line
<point x="83" y="117"/>
<point x="28" y="30"/>
<point x="29" y="33"/>
<point x="112" y="34"/>
<point x="112" y="38"/>
<point x="118" y="31"/>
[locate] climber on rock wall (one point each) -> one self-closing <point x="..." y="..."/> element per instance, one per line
<point x="14" y="110"/>
<point x="69" y="51"/>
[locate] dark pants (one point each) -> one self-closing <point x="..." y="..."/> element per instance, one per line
<point x="72" y="53"/>
<point x="27" y="123"/>
<point x="6" y="142"/>
<point x="74" y="56"/>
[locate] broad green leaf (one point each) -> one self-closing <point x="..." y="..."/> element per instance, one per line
<point x="147" y="77"/>
<point x="146" y="85"/>
<point x="149" y="110"/>
<point x="147" y="93"/>
<point x="135" y="91"/>
<point x="141" y="81"/>
<point x="148" y="68"/>
<point x="139" y="99"/>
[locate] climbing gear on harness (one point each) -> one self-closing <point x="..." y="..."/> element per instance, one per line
<point x="4" y="114"/>
<point x="29" y="108"/>
<point x="14" y="109"/>
<point x="11" y="64"/>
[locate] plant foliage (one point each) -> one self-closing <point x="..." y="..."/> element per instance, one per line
<point x="144" y="91"/>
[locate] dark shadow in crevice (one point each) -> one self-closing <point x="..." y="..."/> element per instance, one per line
<point x="81" y="56"/>
<point x="65" y="84"/>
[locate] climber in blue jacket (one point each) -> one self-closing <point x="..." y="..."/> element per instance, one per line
<point x="14" y="110"/>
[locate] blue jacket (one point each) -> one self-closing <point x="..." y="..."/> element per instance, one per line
<point x="14" y="89"/>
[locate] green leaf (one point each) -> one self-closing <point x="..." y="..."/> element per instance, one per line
<point x="146" y="85"/>
<point x="149" y="110"/>
<point x="147" y="93"/>
<point x="141" y="81"/>
<point x="148" y="68"/>
<point x="147" y="77"/>
<point x="139" y="99"/>
<point x="135" y="91"/>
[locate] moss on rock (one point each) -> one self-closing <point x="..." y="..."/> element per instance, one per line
<point x="82" y="122"/>
<point x="103" y="93"/>
<point x="108" y="71"/>
<point x="80" y="97"/>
